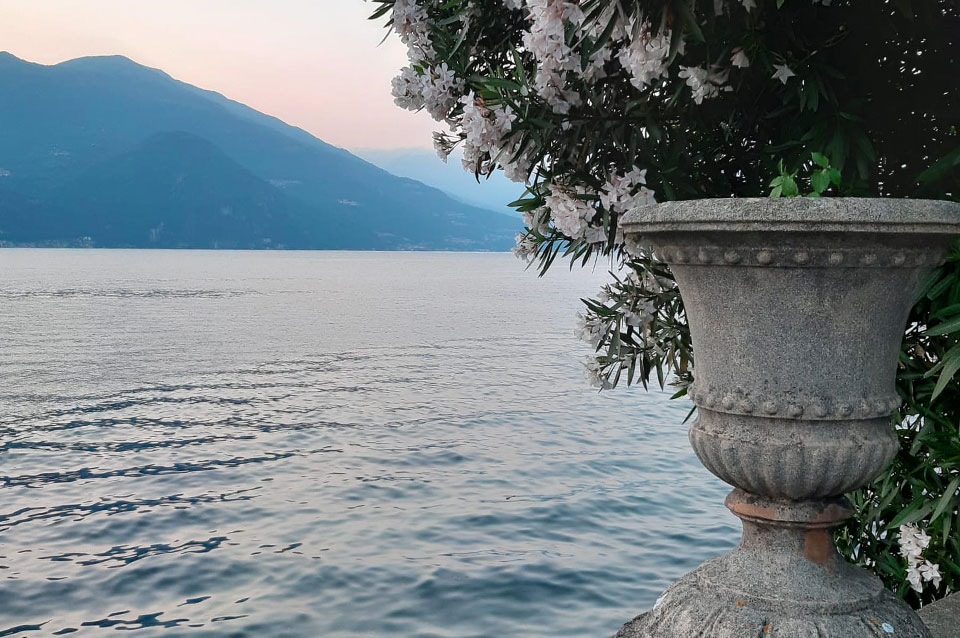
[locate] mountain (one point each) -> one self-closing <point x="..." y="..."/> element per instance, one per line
<point x="107" y="152"/>
<point x="126" y="201"/>
<point x="493" y="192"/>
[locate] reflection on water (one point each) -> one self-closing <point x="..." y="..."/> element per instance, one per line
<point x="326" y="444"/>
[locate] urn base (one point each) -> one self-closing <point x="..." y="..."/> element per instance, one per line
<point x="702" y="605"/>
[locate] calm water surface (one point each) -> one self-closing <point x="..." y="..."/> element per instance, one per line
<point x="326" y="445"/>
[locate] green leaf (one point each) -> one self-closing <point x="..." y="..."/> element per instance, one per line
<point x="948" y="327"/>
<point x="790" y="188"/>
<point x="950" y="369"/>
<point x="820" y="181"/>
<point x="946" y="499"/>
<point x="939" y="287"/>
<point x="821" y="160"/>
<point x="835" y="177"/>
<point x="510" y="85"/>
<point x="941" y="168"/>
<point x="690" y="21"/>
<point x="953" y="309"/>
<point x="913" y="513"/>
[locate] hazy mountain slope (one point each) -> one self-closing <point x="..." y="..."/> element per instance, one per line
<point x="63" y="120"/>
<point x="176" y="190"/>
<point x="494" y="192"/>
<point x="23" y="219"/>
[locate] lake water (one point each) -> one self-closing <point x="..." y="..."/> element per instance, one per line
<point x="327" y="445"/>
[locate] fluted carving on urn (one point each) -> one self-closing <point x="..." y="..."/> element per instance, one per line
<point x="793" y="459"/>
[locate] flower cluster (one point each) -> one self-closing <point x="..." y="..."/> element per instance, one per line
<point x="625" y="192"/>
<point x="546" y="39"/>
<point x="570" y="50"/>
<point x="646" y="57"/>
<point x="571" y="213"/>
<point x="435" y="89"/>
<point x="704" y="83"/>
<point x="484" y="130"/>
<point x="912" y="543"/>
<point x="412" y="24"/>
<point x="593" y="372"/>
<point x="422" y="84"/>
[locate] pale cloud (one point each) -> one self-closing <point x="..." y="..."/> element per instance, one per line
<point x="315" y="64"/>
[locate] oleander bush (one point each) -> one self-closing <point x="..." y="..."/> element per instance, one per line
<point x="599" y="106"/>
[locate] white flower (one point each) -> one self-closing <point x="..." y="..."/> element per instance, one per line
<point x="912" y="542"/>
<point x="590" y="330"/>
<point x="645" y="59"/>
<point x="640" y="317"/>
<point x="596" y="65"/>
<point x="484" y="130"/>
<point x="739" y="59"/>
<point x="931" y="573"/>
<point x="570" y="214"/>
<point x="595" y="235"/>
<point x="513" y="4"/>
<point x="411" y="22"/>
<point x="705" y="84"/>
<point x="517" y="168"/>
<point x="594" y="374"/>
<point x="409" y="18"/>
<point x="625" y="192"/>
<point x="443" y="145"/>
<point x="547" y="41"/>
<point x="783" y="73"/>
<point x="749" y="5"/>
<point x="546" y="38"/>
<point x="915" y="578"/>
<point x="923" y="541"/>
<point x="441" y="91"/>
<point x="537" y="220"/>
<point x="436" y="89"/>
<point x="526" y="248"/>
<point x="408" y="89"/>
<point x="595" y="28"/>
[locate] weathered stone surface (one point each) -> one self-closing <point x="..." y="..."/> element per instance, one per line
<point x="797" y="310"/>
<point x="943" y="617"/>
<point x="828" y="214"/>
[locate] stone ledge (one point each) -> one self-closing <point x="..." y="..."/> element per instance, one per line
<point x="942" y="618"/>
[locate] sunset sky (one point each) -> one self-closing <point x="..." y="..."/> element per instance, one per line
<point x="317" y="64"/>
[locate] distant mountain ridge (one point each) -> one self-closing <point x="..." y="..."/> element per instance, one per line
<point x="106" y="152"/>
<point x="494" y="191"/>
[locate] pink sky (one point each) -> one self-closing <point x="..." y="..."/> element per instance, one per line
<point x="312" y="63"/>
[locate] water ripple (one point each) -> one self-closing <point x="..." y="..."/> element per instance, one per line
<point x="215" y="445"/>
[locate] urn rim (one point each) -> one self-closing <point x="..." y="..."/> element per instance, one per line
<point x="800" y="214"/>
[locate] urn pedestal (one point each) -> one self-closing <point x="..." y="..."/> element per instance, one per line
<point x="797" y="310"/>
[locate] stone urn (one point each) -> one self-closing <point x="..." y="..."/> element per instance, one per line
<point x="797" y="309"/>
